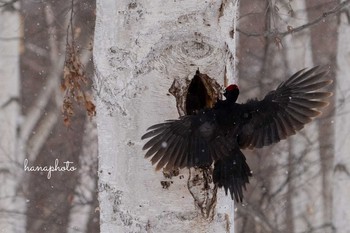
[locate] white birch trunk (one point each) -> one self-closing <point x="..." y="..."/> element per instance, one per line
<point x="140" y="49"/>
<point x="12" y="205"/>
<point x="341" y="184"/>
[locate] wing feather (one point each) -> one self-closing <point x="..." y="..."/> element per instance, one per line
<point x="284" y="111"/>
<point x="191" y="141"/>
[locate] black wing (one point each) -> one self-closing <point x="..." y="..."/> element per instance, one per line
<point x="191" y="141"/>
<point x="284" y="111"/>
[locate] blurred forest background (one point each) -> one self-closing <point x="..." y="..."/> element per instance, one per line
<point x="294" y="188"/>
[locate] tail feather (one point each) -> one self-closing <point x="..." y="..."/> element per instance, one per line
<point x="232" y="173"/>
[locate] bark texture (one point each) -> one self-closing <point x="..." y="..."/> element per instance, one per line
<point x="141" y="49"/>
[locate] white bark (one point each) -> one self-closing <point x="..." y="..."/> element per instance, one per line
<point x="341" y="184"/>
<point x="12" y="205"/>
<point x="140" y="49"/>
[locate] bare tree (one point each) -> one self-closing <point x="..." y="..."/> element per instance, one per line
<point x="295" y="36"/>
<point x="61" y="44"/>
<point x="32" y="129"/>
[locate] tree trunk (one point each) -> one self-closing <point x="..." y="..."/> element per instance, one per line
<point x="324" y="52"/>
<point x="341" y="184"/>
<point x="81" y="212"/>
<point x="141" y="49"/>
<point x="307" y="189"/>
<point x="12" y="203"/>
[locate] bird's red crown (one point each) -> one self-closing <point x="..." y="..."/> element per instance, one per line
<point x="232" y="87"/>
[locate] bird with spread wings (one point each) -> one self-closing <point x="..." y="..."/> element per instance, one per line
<point x="217" y="135"/>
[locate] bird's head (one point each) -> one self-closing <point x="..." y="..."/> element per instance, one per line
<point x="231" y="92"/>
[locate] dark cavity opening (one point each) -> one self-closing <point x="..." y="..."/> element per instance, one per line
<point x="198" y="93"/>
<point x="201" y="93"/>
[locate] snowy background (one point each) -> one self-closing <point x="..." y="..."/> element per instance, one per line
<point x="126" y="55"/>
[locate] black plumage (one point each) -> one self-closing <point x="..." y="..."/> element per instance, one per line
<point x="216" y="135"/>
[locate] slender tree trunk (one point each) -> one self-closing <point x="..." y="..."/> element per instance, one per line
<point x="12" y="204"/>
<point x="82" y="211"/>
<point x="307" y="189"/>
<point x="324" y="37"/>
<point x="141" y="49"/>
<point x="341" y="175"/>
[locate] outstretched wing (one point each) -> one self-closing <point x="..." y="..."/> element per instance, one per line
<point x="284" y="111"/>
<point x="193" y="140"/>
